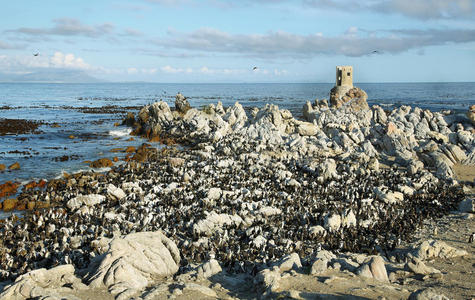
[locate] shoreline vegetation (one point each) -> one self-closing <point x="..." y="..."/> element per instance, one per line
<point x="250" y="203"/>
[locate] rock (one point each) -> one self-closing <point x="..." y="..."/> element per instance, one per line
<point x="101" y="163"/>
<point x="88" y="200"/>
<point x="471" y="114"/>
<point x="9" y="204"/>
<point x="15" y="166"/>
<point x="332" y="222"/>
<point x="427" y="294"/>
<point x="2" y="167"/>
<point x="327" y="169"/>
<point x="354" y="98"/>
<point x="386" y="196"/>
<point x="176" y="162"/>
<point x="436" y="249"/>
<point x="209" y="268"/>
<point x="378" y="269"/>
<point x="418" y="267"/>
<point x="214" y="194"/>
<point x="319" y="266"/>
<point x="115" y="192"/>
<point x="181" y="104"/>
<point x="130" y="149"/>
<point x="134" y="261"/>
<point x="467" y="205"/>
<point x="8" y="188"/>
<point x="375" y="268"/>
<point x="129" y="119"/>
<point x="268" y="278"/>
<point x="214" y="221"/>
<point x="55" y="283"/>
<point x="197" y="288"/>
<point x="307" y="129"/>
<point x="289" y="262"/>
<point x="317" y="231"/>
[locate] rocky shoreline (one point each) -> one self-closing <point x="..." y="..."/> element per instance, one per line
<point x="249" y="199"/>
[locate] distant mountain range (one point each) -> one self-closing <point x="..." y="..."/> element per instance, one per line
<point x="51" y="76"/>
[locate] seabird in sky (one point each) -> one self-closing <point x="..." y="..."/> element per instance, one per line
<point x="255" y="68"/>
<point x="36" y="54"/>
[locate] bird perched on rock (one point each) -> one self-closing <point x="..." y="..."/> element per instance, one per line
<point x="471" y="239"/>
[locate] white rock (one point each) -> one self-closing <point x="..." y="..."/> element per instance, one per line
<point x="133" y="261"/>
<point x="214" y="193"/>
<point x="115" y="192"/>
<point x="214" y="222"/>
<point x="88" y="200"/>
<point x="433" y="249"/>
<point x="289" y="262"/>
<point x="319" y="266"/>
<point x="332" y="222"/>
<point x="209" y="268"/>
<point x="44" y="283"/>
<point x="318" y="230"/>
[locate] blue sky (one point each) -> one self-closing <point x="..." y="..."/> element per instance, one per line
<point x="222" y="40"/>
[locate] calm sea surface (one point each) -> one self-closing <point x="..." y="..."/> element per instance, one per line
<point x="69" y="106"/>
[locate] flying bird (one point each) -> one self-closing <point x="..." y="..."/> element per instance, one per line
<point x="36" y="54"/>
<point x="375" y="52"/>
<point x="255" y="68"/>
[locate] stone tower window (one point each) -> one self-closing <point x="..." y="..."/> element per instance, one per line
<point x="348" y="73"/>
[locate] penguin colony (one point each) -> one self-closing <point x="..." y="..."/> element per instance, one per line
<point x="274" y="203"/>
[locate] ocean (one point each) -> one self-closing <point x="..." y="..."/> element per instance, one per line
<point x="88" y="112"/>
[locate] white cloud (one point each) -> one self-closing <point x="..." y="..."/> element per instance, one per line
<point x="132" y="71"/>
<point x="172" y="70"/>
<point x="68" y="61"/>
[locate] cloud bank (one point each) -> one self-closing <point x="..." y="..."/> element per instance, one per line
<point x="283" y="44"/>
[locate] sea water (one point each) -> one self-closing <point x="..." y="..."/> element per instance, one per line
<point x="88" y="112"/>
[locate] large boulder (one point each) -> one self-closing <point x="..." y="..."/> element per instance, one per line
<point x="134" y="261"/>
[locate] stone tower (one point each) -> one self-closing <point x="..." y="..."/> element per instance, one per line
<point x="344" y="76"/>
<point x="343" y="93"/>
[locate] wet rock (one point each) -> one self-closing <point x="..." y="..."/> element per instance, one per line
<point x="15" y="166"/>
<point x="101" y="163"/>
<point x="8" y="188"/>
<point x="2" y="167"/>
<point x="134" y="261"/>
<point x="9" y="204"/>
<point x="129" y="119"/>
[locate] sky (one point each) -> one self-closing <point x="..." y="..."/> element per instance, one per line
<point x="195" y="41"/>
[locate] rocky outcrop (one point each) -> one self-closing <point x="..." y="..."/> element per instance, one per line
<point x="355" y="98"/>
<point x="181" y="103"/>
<point x="56" y="283"/>
<point x="471" y="114"/>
